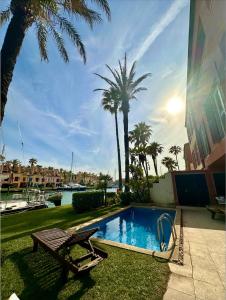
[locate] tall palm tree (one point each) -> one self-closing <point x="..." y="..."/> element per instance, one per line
<point x="52" y="17"/>
<point x="175" y="150"/>
<point x="154" y="149"/>
<point x="111" y="103"/>
<point x="169" y="163"/>
<point x="127" y="86"/>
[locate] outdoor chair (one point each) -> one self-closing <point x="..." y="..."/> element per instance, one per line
<point x="59" y="243"/>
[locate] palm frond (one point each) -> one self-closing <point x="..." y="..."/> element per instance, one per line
<point x="42" y="40"/>
<point x="60" y="44"/>
<point x="140" y="79"/>
<point x="132" y="72"/>
<point x="79" y="8"/>
<point x="5" y="16"/>
<point x="103" y="4"/>
<point x="110" y="82"/>
<point x="68" y="28"/>
<point x="116" y="75"/>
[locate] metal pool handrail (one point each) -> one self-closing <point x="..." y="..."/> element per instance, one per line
<point x="160" y="231"/>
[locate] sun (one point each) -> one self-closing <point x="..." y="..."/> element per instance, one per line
<point x="174" y="105"/>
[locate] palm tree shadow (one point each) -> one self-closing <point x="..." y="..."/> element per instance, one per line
<point x="42" y="276"/>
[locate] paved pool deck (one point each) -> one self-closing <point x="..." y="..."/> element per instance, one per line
<point x="203" y="274"/>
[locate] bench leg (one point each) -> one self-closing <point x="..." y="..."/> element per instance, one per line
<point x="213" y="215"/>
<point x="65" y="273"/>
<point x="35" y="246"/>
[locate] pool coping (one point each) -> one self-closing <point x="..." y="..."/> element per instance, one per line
<point x="171" y="254"/>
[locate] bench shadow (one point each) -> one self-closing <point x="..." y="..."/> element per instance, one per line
<point x="42" y="276"/>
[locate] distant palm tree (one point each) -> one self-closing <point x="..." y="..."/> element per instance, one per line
<point x="175" y="150"/>
<point x="127" y="87"/>
<point x="169" y="163"/>
<point x="32" y="162"/>
<point x="140" y="135"/>
<point x="52" y="17"/>
<point x="154" y="149"/>
<point x="15" y="163"/>
<point x="2" y="158"/>
<point x="111" y="103"/>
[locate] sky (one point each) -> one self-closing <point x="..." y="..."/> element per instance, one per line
<point x="55" y="106"/>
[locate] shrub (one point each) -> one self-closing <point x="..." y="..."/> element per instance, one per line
<point x="112" y="198"/>
<point x="110" y="195"/>
<point x="126" y="198"/>
<point x="56" y="199"/>
<point x="87" y="200"/>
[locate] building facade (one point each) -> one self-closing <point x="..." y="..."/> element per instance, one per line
<point x="18" y="176"/>
<point x="206" y="87"/>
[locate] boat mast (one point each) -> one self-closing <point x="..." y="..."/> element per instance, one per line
<point x="72" y="158"/>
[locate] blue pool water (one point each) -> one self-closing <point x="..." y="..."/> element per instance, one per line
<point x="134" y="226"/>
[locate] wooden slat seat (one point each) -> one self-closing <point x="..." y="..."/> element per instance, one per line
<point x="53" y="240"/>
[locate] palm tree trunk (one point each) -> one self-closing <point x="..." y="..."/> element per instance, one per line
<point x="126" y="145"/>
<point x="10" y="50"/>
<point x="177" y="163"/>
<point x="155" y="166"/>
<point x="119" y="155"/>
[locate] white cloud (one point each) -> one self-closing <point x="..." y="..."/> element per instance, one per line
<point x="160" y="26"/>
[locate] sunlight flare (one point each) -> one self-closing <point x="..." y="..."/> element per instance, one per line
<point x="174" y="105"/>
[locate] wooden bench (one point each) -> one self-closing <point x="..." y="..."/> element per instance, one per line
<point x="58" y="243"/>
<point x="218" y="209"/>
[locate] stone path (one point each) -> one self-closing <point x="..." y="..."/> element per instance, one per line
<point x="203" y="274"/>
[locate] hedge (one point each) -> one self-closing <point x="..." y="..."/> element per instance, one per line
<point x="55" y="198"/>
<point x="83" y="201"/>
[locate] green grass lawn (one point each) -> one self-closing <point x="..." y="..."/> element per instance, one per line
<point x="123" y="275"/>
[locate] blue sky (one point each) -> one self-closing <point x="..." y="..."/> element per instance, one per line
<point x="56" y="107"/>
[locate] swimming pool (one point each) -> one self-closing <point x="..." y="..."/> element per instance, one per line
<point x="135" y="226"/>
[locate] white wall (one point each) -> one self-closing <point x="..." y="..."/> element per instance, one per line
<point x="162" y="192"/>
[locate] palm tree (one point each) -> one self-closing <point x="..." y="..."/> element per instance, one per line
<point x="2" y="158"/>
<point x="140" y="135"/>
<point x="127" y="87"/>
<point x="15" y="163"/>
<point x="32" y="162"/>
<point x="175" y="150"/>
<point x="154" y="149"/>
<point x="169" y="163"/>
<point x="48" y="17"/>
<point x="111" y="103"/>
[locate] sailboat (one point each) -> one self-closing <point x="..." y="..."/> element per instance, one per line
<point x="72" y="186"/>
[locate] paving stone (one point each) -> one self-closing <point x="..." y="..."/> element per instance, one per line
<point x="184" y="270"/>
<point x="219" y="260"/>
<point x="210" y="276"/>
<point x="181" y="283"/>
<point x="198" y="249"/>
<point x="207" y="291"/>
<point x="203" y="262"/>
<point x="172" y="294"/>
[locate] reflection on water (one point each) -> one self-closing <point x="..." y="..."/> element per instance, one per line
<point x="135" y="226"/>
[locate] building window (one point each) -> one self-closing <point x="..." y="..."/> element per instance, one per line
<point x="209" y="4"/>
<point x="200" y="42"/>
<point x="202" y="141"/>
<point x="223" y="46"/>
<point x="215" y="112"/>
<point x="16" y="178"/>
<point x="37" y="179"/>
<point x="24" y="179"/>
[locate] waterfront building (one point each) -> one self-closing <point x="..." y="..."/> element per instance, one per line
<point x="206" y="87"/>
